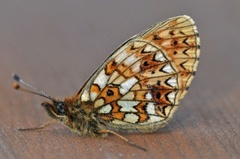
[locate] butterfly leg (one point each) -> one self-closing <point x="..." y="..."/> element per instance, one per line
<point x="123" y="138"/>
<point x="40" y="127"/>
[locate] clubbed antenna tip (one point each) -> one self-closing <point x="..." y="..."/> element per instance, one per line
<point x="16" y="77"/>
<point x="16" y="85"/>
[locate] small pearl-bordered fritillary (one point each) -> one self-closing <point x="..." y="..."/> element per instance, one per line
<point x="138" y="87"/>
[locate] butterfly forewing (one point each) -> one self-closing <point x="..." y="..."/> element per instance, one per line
<point x="139" y="86"/>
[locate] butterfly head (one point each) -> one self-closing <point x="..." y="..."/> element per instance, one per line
<point x="56" y="109"/>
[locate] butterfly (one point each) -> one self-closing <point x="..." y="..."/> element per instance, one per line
<point x="137" y="88"/>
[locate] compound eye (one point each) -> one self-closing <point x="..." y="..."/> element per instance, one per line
<point x="61" y="108"/>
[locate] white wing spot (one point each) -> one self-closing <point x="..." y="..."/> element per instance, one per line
<point x="121" y="57"/>
<point x="159" y="56"/>
<point x="131" y="118"/>
<point x="130" y="60"/>
<point x="151" y="108"/>
<point x="125" y="86"/>
<point x="148" y="96"/>
<point x="127" y="106"/>
<point x="149" y="48"/>
<point x="101" y="79"/>
<point x="172" y="82"/>
<point x="167" y="68"/>
<point x="93" y="95"/>
<point x="171" y="96"/>
<point x="136" y="67"/>
<point x="154" y="119"/>
<point x="106" y="109"/>
<point x="85" y="95"/>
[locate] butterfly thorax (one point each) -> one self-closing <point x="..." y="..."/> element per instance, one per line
<point x="81" y="118"/>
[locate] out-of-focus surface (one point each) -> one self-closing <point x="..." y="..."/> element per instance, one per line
<point x="56" y="45"/>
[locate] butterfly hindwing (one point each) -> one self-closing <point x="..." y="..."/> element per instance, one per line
<point x="139" y="86"/>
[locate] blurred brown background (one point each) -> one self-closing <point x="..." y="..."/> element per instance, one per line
<point x="57" y="44"/>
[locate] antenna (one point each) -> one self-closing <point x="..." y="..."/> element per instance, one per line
<point x="36" y="90"/>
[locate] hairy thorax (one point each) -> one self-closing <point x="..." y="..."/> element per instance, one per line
<point x="82" y="119"/>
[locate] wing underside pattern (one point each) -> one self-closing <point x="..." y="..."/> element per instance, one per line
<point x="142" y="82"/>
